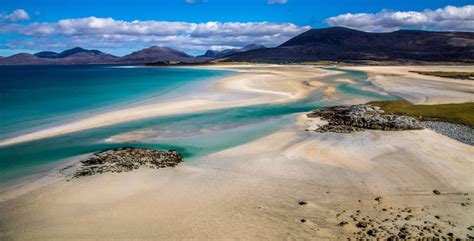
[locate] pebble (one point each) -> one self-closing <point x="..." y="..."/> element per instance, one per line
<point x="462" y="133"/>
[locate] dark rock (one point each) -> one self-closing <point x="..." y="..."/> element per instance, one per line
<point x="303" y="220"/>
<point x="371" y="232"/>
<point x="436" y="192"/>
<point x="302" y="203"/>
<point x="361" y="224"/>
<point x="127" y="159"/>
<point x="343" y="223"/>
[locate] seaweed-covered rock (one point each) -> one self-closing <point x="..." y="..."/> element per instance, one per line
<point x="126" y="159"/>
<point x="346" y="119"/>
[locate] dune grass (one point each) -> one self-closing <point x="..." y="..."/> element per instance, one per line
<point x="444" y="74"/>
<point x="455" y="113"/>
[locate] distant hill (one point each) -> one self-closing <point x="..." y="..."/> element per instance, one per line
<point x="83" y="56"/>
<point x="348" y="45"/>
<point x="156" y="54"/>
<point x="227" y="52"/>
<point x="71" y="56"/>
<point x="46" y="54"/>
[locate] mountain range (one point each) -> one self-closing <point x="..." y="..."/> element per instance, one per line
<point x="152" y="54"/>
<point x="327" y="44"/>
<point x="348" y="45"/>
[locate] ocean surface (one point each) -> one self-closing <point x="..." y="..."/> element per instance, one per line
<point x="35" y="97"/>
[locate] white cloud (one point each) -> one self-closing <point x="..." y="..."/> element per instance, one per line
<point x="16" y="16"/>
<point x="277" y="1"/>
<point x="95" y="32"/>
<point x="449" y="18"/>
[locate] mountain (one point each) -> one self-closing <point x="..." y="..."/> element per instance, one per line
<point x="156" y="54"/>
<point x="78" y="50"/>
<point x="46" y="54"/>
<point x="76" y="55"/>
<point x="348" y="45"/>
<point x="227" y="52"/>
<point x="23" y="59"/>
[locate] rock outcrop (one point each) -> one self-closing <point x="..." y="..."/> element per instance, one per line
<point x="125" y="160"/>
<point x="346" y="119"/>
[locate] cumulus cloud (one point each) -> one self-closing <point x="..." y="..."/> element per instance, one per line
<point x="277" y="1"/>
<point x="110" y="33"/>
<point x="16" y="16"/>
<point x="449" y="18"/>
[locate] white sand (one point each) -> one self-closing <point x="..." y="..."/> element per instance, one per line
<point x="421" y="89"/>
<point x="251" y="191"/>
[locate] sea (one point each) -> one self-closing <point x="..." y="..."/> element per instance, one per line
<point x="38" y="97"/>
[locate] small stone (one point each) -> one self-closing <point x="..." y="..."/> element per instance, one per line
<point x="343" y="223"/>
<point x="371" y="232"/>
<point x="436" y="192"/>
<point x="303" y="220"/>
<point x="302" y="203"/>
<point x="361" y="224"/>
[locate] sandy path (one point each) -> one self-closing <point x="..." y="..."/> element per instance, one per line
<point x="421" y="89"/>
<point x="259" y="84"/>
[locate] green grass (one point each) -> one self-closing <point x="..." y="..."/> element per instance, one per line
<point x="455" y="113"/>
<point x="453" y="75"/>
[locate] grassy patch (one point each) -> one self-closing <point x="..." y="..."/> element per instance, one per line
<point x="453" y="75"/>
<point x="455" y="113"/>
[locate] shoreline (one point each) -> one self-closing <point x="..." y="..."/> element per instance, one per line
<point x="289" y="184"/>
<point x="420" y="89"/>
<point x="251" y="81"/>
<point x="336" y="176"/>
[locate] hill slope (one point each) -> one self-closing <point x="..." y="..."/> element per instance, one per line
<point x="348" y="45"/>
<point x="156" y="54"/>
<point x="227" y="52"/>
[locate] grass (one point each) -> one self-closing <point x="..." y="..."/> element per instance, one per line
<point x="453" y="75"/>
<point x="455" y="113"/>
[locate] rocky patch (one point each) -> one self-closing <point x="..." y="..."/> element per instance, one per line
<point x="347" y="119"/>
<point x="125" y="160"/>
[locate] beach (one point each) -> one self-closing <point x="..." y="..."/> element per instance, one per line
<point x="289" y="184"/>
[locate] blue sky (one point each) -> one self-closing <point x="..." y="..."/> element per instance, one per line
<point x="295" y="16"/>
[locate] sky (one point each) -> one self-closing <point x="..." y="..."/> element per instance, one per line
<point x="194" y="26"/>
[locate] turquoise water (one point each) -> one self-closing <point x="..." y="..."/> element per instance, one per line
<point x="34" y="96"/>
<point x="194" y="135"/>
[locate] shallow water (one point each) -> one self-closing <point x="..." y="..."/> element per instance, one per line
<point x="194" y="135"/>
<point x="37" y="96"/>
